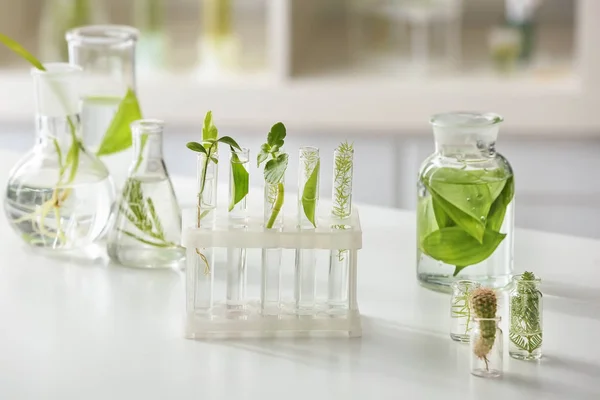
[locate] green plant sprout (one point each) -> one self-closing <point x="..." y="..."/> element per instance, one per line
<point x="525" y="325"/>
<point x="275" y="168"/>
<point x="342" y="180"/>
<point x="209" y="148"/>
<point x="117" y="138"/>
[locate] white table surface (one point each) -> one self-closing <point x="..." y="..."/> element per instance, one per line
<point x="72" y="330"/>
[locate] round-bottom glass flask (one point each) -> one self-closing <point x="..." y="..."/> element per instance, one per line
<point x="58" y="195"/>
<point x="465" y="205"/>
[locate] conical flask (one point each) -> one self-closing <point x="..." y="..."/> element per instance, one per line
<point x="58" y="196"/>
<point x="147" y="228"/>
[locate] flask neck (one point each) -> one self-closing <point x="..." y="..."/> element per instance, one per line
<point x="57" y="130"/>
<point x="147" y="148"/>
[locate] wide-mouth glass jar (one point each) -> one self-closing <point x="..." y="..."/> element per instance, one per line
<point x="465" y="205"/>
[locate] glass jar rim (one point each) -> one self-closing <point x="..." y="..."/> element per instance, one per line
<point x="497" y="319"/>
<point x="517" y="279"/>
<point x="465" y="119"/>
<point x="57" y="69"/>
<point x="464" y="283"/>
<point x="309" y="149"/>
<point x="244" y="150"/>
<point x="103" y="35"/>
<point x="147" y="126"/>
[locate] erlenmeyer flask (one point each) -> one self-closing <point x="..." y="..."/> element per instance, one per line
<point x="59" y="195"/>
<point x="147" y="227"/>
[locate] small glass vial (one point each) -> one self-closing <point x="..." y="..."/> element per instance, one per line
<point x="340" y="259"/>
<point x="486" y="348"/>
<point x="270" y="295"/>
<point x="238" y="220"/>
<point x="199" y="270"/>
<point x="525" y="328"/>
<point x="147" y="227"/>
<point x="308" y="199"/>
<point x="460" y="310"/>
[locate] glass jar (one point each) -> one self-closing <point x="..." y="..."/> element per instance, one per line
<point x="525" y="325"/>
<point x="107" y="55"/>
<point x="147" y="228"/>
<point x="465" y="205"/>
<point x="58" y="196"/>
<point x="460" y="310"/>
<point x="486" y="348"/>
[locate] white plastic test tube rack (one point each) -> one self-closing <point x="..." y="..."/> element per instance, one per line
<point x="219" y="322"/>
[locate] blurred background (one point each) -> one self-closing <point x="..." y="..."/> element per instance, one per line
<point x="370" y="71"/>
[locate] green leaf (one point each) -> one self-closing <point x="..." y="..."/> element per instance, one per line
<point x="276" y="135"/>
<point x="118" y="136"/>
<point x="445" y="211"/>
<point x="275" y="169"/>
<point x="20" y="50"/>
<point x="310" y="194"/>
<point x="442" y="218"/>
<point x="498" y="209"/>
<point x="454" y="246"/>
<point x="197" y="147"/>
<point x="228" y="140"/>
<point x="241" y="181"/>
<point x="209" y="130"/>
<point x="262" y="156"/>
<point x="426" y="221"/>
<point x="464" y="197"/>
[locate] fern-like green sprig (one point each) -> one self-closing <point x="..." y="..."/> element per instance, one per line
<point x="525" y="314"/>
<point x="140" y="211"/>
<point x="342" y="180"/>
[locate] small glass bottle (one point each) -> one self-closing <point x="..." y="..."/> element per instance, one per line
<point x="58" y="196"/>
<point x="339" y="260"/>
<point x="486" y="348"/>
<point x="199" y="271"/>
<point x="460" y="310"/>
<point x="525" y="325"/>
<point x="465" y="205"/>
<point x="147" y="229"/>
<point x="107" y="55"/>
<point x="308" y="198"/>
<point x="270" y="296"/>
<point x="238" y="220"/>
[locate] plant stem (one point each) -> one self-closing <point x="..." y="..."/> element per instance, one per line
<point x="202" y="184"/>
<point x="277" y="205"/>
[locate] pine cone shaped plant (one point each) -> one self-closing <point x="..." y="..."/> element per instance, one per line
<point x="484" y="305"/>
